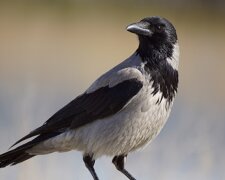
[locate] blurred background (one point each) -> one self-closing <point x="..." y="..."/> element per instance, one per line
<point x="50" y="52"/>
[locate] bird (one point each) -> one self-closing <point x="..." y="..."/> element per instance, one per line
<point x="120" y="112"/>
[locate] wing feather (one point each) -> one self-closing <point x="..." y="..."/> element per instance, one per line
<point x="89" y="107"/>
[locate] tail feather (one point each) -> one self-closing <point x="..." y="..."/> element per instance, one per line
<point x="21" y="158"/>
<point x="20" y="154"/>
<point x="14" y="159"/>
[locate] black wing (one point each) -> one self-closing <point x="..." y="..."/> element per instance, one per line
<point x="89" y="107"/>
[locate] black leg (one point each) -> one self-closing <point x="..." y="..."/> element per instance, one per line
<point x="89" y="163"/>
<point x="119" y="161"/>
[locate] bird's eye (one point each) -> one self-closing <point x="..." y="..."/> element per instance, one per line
<point x="159" y="28"/>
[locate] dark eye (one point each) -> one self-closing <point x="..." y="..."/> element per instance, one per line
<point x="159" y="28"/>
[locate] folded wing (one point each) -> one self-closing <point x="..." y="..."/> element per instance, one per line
<point x="90" y="106"/>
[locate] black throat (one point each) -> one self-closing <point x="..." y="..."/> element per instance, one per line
<point x="163" y="76"/>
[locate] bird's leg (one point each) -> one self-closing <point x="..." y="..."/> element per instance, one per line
<point x="119" y="161"/>
<point x="89" y="163"/>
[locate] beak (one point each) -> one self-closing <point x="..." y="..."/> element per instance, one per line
<point x="140" y="28"/>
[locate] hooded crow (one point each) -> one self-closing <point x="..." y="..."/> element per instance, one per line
<point x="122" y="111"/>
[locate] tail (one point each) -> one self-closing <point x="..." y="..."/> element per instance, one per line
<point x="20" y="153"/>
<point x="13" y="157"/>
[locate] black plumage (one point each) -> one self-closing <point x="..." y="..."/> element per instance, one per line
<point x="122" y="110"/>
<point x="83" y="110"/>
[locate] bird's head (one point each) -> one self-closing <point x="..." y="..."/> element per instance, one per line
<point x="155" y="34"/>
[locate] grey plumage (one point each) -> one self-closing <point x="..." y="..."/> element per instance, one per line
<point x="122" y="111"/>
